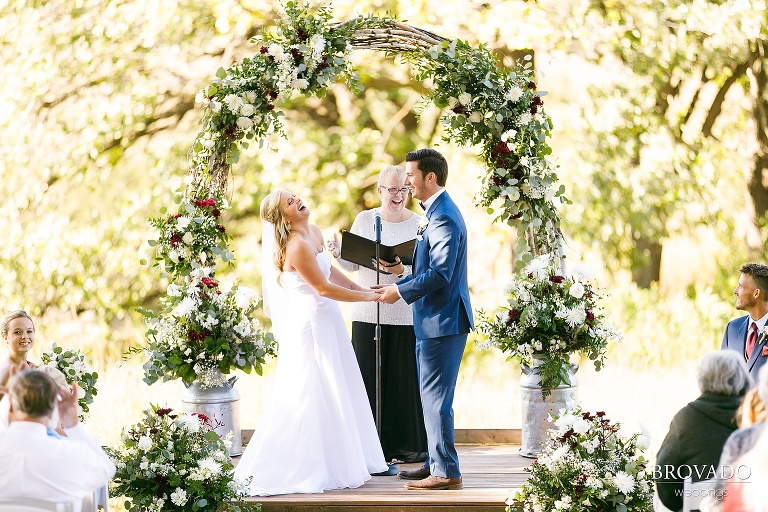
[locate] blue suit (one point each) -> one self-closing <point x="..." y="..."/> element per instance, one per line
<point x="735" y="338"/>
<point x="442" y="318"/>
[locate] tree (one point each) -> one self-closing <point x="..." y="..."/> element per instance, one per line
<point x="666" y="136"/>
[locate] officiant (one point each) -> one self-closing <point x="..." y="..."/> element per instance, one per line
<point x="403" y="437"/>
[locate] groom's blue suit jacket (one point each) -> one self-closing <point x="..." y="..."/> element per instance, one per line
<point x="438" y="288"/>
<point x="735" y="338"/>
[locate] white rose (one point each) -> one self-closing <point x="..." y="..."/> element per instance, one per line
<point x="300" y="84"/>
<point x="465" y="98"/>
<point x="207" y="143"/>
<point x="643" y="442"/>
<point x="577" y="290"/>
<point x="250" y="96"/>
<point x="145" y="443"/>
<point x="247" y="110"/>
<point x="276" y="51"/>
<point x="215" y="105"/>
<point x="581" y="426"/>
<point x="188" y="238"/>
<point x="244" y="123"/>
<point x="452" y="102"/>
<point x="80" y="393"/>
<point x="475" y="117"/>
<point x="174" y="256"/>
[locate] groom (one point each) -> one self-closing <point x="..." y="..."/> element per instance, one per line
<point x="745" y="334"/>
<point x="442" y="315"/>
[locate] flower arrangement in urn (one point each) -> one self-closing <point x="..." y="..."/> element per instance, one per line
<point x="202" y="332"/>
<point x="549" y="316"/>
<point x="586" y="465"/>
<point x="176" y="463"/>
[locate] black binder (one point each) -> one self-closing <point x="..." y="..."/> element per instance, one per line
<point x="361" y="250"/>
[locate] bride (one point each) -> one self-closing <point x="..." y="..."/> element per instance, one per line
<point x="318" y="432"/>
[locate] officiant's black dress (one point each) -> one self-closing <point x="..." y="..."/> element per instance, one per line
<point x="403" y="436"/>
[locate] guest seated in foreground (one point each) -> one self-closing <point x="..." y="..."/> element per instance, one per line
<point x="18" y="331"/>
<point x="5" y="402"/>
<point x="745" y="491"/>
<point x="699" y="430"/>
<point x="751" y="419"/>
<point x="36" y="465"/>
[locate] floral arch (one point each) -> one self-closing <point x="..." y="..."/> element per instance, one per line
<point x="204" y="332"/>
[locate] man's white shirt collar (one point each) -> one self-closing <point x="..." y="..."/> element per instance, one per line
<point x="428" y="202"/>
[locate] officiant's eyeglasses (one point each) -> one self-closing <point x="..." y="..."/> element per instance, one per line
<point x="395" y="190"/>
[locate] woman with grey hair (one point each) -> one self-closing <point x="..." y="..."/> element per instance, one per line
<point x="403" y="436"/>
<point x="699" y="430"/>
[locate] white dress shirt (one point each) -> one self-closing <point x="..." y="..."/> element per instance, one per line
<point x="35" y="465"/>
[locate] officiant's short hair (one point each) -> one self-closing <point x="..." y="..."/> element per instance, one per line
<point x="391" y="170"/>
<point x="723" y="372"/>
<point x="430" y="160"/>
<point x="759" y="273"/>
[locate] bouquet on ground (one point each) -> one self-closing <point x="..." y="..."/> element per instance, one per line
<point x="587" y="465"/>
<point x="202" y="333"/>
<point x="548" y="317"/>
<point x="176" y="463"/>
<point x="74" y="365"/>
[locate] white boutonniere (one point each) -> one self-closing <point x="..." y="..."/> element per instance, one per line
<point x="423" y="223"/>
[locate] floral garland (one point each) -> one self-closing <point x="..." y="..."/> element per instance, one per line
<point x="548" y="317"/>
<point x="500" y="109"/>
<point x="74" y="365"/>
<point x="176" y="463"/>
<point x="485" y="104"/>
<point x="587" y="465"/>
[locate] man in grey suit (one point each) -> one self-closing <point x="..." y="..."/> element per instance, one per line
<point x="442" y="314"/>
<point x="746" y="335"/>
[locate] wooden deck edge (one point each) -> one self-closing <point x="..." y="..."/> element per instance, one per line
<point x="462" y="436"/>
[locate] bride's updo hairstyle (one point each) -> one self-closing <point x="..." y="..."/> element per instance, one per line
<point x="271" y="212"/>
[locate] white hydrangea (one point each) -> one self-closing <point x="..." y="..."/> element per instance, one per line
<point x="179" y="497"/>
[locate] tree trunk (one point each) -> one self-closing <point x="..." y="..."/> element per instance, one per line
<point x="646" y="262"/>
<point x="758" y="181"/>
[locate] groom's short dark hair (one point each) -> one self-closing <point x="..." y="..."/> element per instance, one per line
<point x="759" y="274"/>
<point x="429" y="160"/>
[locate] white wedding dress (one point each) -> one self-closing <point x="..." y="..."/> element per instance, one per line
<point x="317" y="432"/>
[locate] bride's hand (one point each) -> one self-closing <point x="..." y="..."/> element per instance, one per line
<point x="376" y="295"/>
<point x="334" y="246"/>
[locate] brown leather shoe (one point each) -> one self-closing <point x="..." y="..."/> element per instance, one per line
<point x="415" y="474"/>
<point x="436" y="483"/>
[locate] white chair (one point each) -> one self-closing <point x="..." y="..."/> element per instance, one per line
<point x="33" y="505"/>
<point x="694" y="493"/>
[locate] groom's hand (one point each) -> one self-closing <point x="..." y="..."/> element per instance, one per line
<point x="389" y="293"/>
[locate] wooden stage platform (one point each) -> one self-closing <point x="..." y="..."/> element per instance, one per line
<point x="491" y="468"/>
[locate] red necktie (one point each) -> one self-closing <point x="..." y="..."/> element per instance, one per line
<point x="751" y="339"/>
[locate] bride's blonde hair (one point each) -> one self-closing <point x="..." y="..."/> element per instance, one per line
<point x="271" y="212"/>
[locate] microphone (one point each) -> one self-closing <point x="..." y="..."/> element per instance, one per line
<point x="377" y="226"/>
